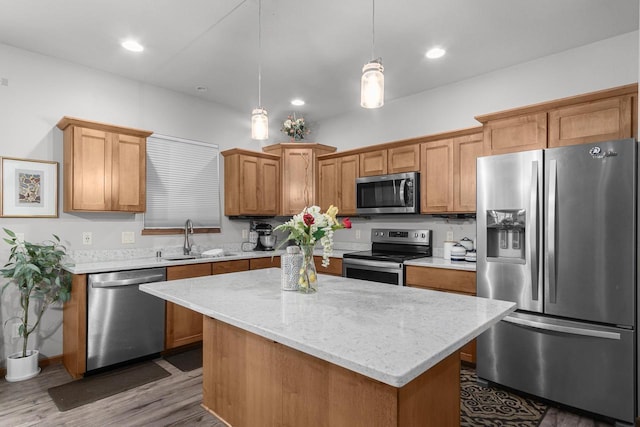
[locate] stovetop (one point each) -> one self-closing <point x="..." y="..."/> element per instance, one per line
<point x="397" y="257"/>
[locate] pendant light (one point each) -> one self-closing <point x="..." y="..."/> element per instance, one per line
<point x="372" y="82"/>
<point x="259" y="118"/>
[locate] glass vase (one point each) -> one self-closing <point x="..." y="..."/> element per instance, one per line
<point x="308" y="279"/>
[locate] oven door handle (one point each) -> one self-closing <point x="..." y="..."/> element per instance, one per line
<point x="353" y="262"/>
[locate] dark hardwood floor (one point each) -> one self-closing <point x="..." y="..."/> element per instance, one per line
<point x="171" y="401"/>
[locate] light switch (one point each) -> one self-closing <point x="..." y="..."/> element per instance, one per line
<point x="128" y="237"/>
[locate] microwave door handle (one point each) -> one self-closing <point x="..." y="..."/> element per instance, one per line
<point x="403" y="184"/>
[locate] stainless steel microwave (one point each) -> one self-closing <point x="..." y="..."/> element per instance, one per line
<point x="388" y="194"/>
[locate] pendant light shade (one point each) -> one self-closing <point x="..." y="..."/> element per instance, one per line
<point x="259" y="118"/>
<point x="372" y="82"/>
<point x="372" y="85"/>
<point x="259" y="124"/>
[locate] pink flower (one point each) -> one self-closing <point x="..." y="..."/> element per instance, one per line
<point x="346" y="223"/>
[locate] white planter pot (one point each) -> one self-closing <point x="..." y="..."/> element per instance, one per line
<point x="22" y="368"/>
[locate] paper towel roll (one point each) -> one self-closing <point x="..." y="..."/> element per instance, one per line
<point x="447" y="249"/>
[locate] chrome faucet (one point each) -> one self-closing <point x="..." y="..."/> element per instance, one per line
<point x="188" y="228"/>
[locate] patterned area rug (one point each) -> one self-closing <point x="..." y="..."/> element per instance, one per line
<point x="481" y="406"/>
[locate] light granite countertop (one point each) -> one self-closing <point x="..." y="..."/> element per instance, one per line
<point x="138" y="263"/>
<point x="442" y="263"/>
<point x="388" y="333"/>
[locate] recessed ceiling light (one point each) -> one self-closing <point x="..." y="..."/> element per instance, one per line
<point x="436" y="52"/>
<point x="132" y="45"/>
<point x="297" y="102"/>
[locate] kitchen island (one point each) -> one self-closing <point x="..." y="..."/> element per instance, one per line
<point x="354" y="353"/>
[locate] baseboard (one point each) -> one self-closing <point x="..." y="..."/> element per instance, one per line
<point x="45" y="361"/>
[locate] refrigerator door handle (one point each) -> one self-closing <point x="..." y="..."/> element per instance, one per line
<point x="533" y="231"/>
<point x="564" y="329"/>
<point x="551" y="232"/>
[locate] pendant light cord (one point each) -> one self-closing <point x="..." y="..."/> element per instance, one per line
<point x="259" y="53"/>
<point x="373" y="29"/>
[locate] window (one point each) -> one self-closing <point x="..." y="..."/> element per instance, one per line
<point x="182" y="183"/>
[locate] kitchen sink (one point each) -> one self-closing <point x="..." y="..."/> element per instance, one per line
<point x="179" y="257"/>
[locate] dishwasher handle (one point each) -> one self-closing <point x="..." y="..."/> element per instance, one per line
<point x="137" y="280"/>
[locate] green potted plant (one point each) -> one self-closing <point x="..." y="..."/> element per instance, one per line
<point x="36" y="271"/>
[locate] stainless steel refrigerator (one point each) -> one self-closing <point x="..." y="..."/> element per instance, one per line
<point x="557" y="234"/>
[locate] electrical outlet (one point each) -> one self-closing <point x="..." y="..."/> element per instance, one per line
<point x="357" y="234"/>
<point x="87" y="238"/>
<point x="245" y="234"/>
<point x="449" y="236"/>
<point x="128" y="237"/>
<point x="20" y="237"/>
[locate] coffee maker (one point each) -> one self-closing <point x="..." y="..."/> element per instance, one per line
<point x="266" y="239"/>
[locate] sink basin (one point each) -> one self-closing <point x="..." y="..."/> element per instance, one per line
<point x="178" y="257"/>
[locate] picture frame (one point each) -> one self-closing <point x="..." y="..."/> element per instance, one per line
<point x="29" y="188"/>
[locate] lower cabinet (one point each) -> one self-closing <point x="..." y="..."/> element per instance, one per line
<point x="334" y="268"/>
<point x="183" y="326"/>
<point x="268" y="262"/>
<point x="447" y="280"/>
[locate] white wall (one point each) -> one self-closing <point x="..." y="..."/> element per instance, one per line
<point x="41" y="90"/>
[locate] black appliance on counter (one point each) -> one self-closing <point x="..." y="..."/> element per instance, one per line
<point x="390" y="248"/>
<point x="266" y="240"/>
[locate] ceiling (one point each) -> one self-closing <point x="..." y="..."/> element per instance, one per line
<point x="310" y="49"/>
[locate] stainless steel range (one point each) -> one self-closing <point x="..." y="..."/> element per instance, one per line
<point x="390" y="248"/>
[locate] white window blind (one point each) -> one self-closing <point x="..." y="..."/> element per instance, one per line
<point x="182" y="183"/>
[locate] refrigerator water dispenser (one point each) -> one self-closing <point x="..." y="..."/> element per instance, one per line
<point x="505" y="235"/>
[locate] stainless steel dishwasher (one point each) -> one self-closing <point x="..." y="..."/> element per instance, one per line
<point x="123" y="323"/>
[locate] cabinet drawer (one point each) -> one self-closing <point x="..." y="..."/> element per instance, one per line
<point x="188" y="270"/>
<point x="334" y="268"/>
<point x="268" y="262"/>
<point x="223" y="267"/>
<point x="442" y="279"/>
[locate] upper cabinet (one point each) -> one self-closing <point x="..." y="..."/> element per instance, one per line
<point x="599" y="120"/>
<point x="582" y="119"/>
<point x="298" y="162"/>
<point x="104" y="167"/>
<point x="404" y="158"/>
<point x="448" y="172"/>
<point x="337" y="182"/>
<point x="251" y="183"/>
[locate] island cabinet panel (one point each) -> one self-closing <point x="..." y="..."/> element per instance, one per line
<point x="334" y="268"/>
<point x="183" y="326"/>
<point x="403" y="159"/>
<point x="104" y="167"/>
<point x="593" y="121"/>
<point x="519" y="133"/>
<point x="373" y="163"/>
<point x="74" y="328"/>
<point x="448" y="280"/>
<point x="249" y="380"/>
<point x="268" y="262"/>
<point x="337" y="183"/>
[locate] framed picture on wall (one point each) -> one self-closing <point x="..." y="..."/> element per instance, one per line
<point x="29" y="188"/>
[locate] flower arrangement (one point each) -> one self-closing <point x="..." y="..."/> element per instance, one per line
<point x="311" y="225"/>
<point x="306" y="228"/>
<point x="295" y="128"/>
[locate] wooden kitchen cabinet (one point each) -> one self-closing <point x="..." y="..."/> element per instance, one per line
<point x="600" y="120"/>
<point x="298" y="172"/>
<point x="373" y="163"/>
<point x="251" y="183"/>
<point x="337" y="183"/>
<point x="104" y="167"/>
<point x="268" y="262"/>
<point x="233" y="266"/>
<point x="436" y="176"/>
<point x="183" y="326"/>
<point x="405" y="158"/>
<point x="334" y="268"/>
<point x="512" y="134"/>
<point x="466" y="150"/>
<point x="447" y="280"/>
